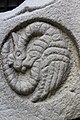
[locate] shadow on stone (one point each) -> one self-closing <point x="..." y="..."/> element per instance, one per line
<point x="76" y="119"/>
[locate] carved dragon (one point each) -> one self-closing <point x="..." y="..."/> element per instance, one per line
<point x="39" y="52"/>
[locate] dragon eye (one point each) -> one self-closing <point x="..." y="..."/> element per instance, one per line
<point x="18" y="53"/>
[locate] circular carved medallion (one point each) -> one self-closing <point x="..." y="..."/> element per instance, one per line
<point x="36" y="60"/>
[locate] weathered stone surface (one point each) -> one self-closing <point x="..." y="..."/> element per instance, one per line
<point x="39" y="61"/>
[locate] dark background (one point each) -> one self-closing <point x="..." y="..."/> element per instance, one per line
<point x="6" y="5"/>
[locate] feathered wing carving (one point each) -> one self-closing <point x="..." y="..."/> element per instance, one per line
<point x="46" y="59"/>
<point x="54" y="68"/>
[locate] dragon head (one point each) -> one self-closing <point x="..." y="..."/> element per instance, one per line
<point x="17" y="54"/>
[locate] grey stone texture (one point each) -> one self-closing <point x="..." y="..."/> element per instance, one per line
<point x="40" y="61"/>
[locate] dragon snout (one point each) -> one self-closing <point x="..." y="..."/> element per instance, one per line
<point x="17" y="65"/>
<point x="23" y="69"/>
<point x="26" y="64"/>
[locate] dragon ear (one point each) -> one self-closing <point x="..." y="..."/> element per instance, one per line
<point x="14" y="38"/>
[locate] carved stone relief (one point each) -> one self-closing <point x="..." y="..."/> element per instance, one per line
<point x="36" y="60"/>
<point x="40" y="61"/>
